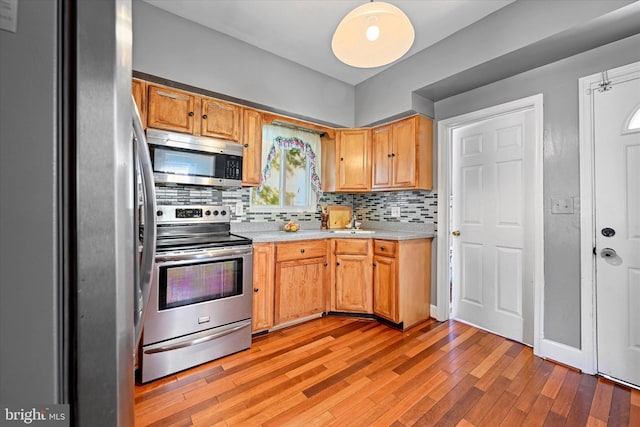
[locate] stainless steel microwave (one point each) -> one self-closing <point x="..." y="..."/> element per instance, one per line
<point x="186" y="159"/>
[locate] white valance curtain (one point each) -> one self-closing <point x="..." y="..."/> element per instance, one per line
<point x="276" y="137"/>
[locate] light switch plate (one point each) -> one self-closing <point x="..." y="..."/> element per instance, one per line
<point x="562" y="205"/>
<point x="395" y="211"/>
<point x="239" y="209"/>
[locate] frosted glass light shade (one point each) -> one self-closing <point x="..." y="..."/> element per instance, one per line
<point x="351" y="45"/>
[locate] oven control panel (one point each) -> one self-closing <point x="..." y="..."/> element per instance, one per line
<point x="184" y="213"/>
<point x="192" y="214"/>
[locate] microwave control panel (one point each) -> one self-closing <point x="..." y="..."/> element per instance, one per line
<point x="233" y="167"/>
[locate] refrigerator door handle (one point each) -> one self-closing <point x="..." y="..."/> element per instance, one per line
<point x="143" y="287"/>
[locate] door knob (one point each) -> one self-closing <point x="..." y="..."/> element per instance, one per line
<point x="456" y="233"/>
<point x="608" y="253"/>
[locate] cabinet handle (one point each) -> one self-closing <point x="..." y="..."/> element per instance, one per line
<point x="382" y="248"/>
<point x="388" y="155"/>
<point x="337" y="263"/>
<point x="393" y="155"/>
<point x="342" y="159"/>
<point x="204" y="116"/>
<point x="171" y="95"/>
<point x="375" y="264"/>
<point x="255" y="289"/>
<point x="246" y="145"/>
<point x="190" y="113"/>
<point x="301" y="251"/>
<point x="326" y="264"/>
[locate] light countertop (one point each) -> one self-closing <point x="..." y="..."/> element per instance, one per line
<point x="266" y="236"/>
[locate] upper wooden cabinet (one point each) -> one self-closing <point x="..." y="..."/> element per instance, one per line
<point x="353" y="159"/>
<point x="138" y="90"/>
<point x="395" y="156"/>
<point x="179" y="111"/>
<point x="220" y="119"/>
<point x="403" y="155"/>
<point x="170" y="109"/>
<point x="251" y="147"/>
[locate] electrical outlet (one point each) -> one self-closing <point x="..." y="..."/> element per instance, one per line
<point x="238" y="208"/>
<point x="395" y="211"/>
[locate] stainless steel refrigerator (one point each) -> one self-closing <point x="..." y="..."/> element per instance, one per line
<point x="68" y="243"/>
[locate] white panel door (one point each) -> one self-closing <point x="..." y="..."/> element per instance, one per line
<point x="492" y="258"/>
<point x="617" y="228"/>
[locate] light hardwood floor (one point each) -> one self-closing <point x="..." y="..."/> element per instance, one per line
<point x="338" y="371"/>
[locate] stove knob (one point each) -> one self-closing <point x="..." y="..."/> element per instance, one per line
<point x="223" y="213"/>
<point x="215" y="213"/>
<point x="207" y="213"/>
<point x="159" y="213"/>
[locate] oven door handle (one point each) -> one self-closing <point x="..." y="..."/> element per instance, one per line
<point x="205" y="254"/>
<point x="200" y="340"/>
<point x="143" y="287"/>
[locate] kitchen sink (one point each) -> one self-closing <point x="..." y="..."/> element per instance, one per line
<point x="348" y="231"/>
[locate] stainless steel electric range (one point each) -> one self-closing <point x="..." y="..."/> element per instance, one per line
<point x="200" y="298"/>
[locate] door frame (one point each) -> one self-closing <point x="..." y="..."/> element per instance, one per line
<point x="588" y="311"/>
<point x="445" y="138"/>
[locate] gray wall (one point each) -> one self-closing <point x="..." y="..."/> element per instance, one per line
<point x="28" y="253"/>
<point x="173" y="48"/>
<point x="507" y="30"/>
<point x="558" y="82"/>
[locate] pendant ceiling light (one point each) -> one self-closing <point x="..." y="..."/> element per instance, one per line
<point x="372" y="35"/>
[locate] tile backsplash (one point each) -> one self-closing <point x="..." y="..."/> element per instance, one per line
<point x="415" y="206"/>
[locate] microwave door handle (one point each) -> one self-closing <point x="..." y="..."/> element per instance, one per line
<point x="143" y="286"/>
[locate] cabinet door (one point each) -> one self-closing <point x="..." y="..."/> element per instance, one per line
<point x="252" y="147"/>
<point x="170" y="109"/>
<point x="354" y="159"/>
<point x="220" y="119"/>
<point x="263" y="277"/>
<point x="140" y="96"/>
<point x="382" y="157"/>
<point x="299" y="289"/>
<point x="403" y="153"/>
<point x="385" y="289"/>
<point x="353" y="283"/>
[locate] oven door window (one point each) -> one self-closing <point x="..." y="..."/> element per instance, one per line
<point x="190" y="284"/>
<point x="183" y="162"/>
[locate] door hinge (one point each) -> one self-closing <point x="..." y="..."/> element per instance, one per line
<point x="594" y="250"/>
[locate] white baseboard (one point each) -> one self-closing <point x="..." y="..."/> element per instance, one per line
<point x="435" y="313"/>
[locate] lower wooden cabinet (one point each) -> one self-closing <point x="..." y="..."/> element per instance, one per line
<point x="352" y="275"/>
<point x="402" y="280"/>
<point x="263" y="286"/>
<point x="300" y="280"/>
<point x="385" y="288"/>
<point x="390" y="279"/>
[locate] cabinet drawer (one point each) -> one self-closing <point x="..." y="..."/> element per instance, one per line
<point x="384" y="247"/>
<point x="352" y="246"/>
<point x="301" y="250"/>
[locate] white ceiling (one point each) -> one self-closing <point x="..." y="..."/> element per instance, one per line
<point x="301" y="30"/>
